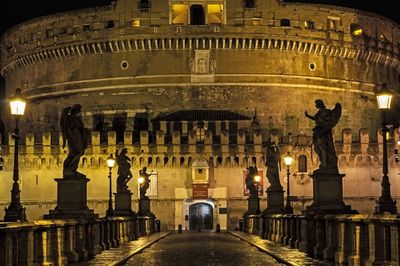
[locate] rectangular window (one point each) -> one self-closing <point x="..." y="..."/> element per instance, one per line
<point x="285" y="22"/>
<point x="215" y="13"/>
<point x="309" y="25"/>
<point x="356" y="30"/>
<point x="179" y="14"/>
<point x="135" y="22"/>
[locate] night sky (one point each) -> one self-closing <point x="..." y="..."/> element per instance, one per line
<point x="13" y="12"/>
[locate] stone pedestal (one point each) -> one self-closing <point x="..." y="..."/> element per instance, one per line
<point x="146" y="218"/>
<point x="144" y="208"/>
<point x="328" y="195"/>
<point x="275" y="201"/>
<point x="71" y="200"/>
<point x="123" y="204"/>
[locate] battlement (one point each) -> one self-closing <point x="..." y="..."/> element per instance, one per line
<point x="179" y="150"/>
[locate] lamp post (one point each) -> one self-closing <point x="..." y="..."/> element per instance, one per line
<point x="16" y="212"/>
<point x="257" y="179"/>
<point x="288" y="162"/>
<point x="110" y="164"/>
<point x="385" y="203"/>
<point x="140" y="181"/>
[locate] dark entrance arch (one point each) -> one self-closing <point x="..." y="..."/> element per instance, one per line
<point x="200" y="214"/>
<point x="197" y="15"/>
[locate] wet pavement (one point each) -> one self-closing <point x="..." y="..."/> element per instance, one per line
<point x="201" y="248"/>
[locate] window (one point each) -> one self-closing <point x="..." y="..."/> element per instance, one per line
<point x="249" y="4"/>
<point x="197" y="15"/>
<point x="179" y="14"/>
<point x="309" y="25"/>
<point x="356" y="30"/>
<point x="333" y="24"/>
<point x="285" y="22"/>
<point x="215" y="13"/>
<point x="199" y="128"/>
<point x="86" y="27"/>
<point x="144" y="5"/>
<point x="135" y="22"/>
<point x="110" y="24"/>
<point x="302" y="164"/>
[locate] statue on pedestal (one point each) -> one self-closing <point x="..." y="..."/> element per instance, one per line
<point x="75" y="135"/>
<point x="146" y="183"/>
<point x="273" y="163"/>
<point x="325" y="119"/>
<point x="250" y="184"/>
<point x="124" y="172"/>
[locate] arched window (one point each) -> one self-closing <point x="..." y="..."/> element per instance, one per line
<point x="197" y="15"/>
<point x="302" y="164"/>
<point x="199" y="128"/>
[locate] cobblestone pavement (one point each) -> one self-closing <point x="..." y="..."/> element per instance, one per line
<point x="116" y="256"/>
<point x="202" y="249"/>
<point x="290" y="256"/>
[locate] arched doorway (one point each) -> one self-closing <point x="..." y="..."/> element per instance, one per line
<point x="197" y="15"/>
<point x="200" y="214"/>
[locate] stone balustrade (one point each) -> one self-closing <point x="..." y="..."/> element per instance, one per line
<point x="347" y="239"/>
<point x="60" y="242"/>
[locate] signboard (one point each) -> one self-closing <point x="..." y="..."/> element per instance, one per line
<point x="246" y="192"/>
<point x="200" y="191"/>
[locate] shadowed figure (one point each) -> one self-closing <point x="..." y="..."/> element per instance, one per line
<point x="273" y="163"/>
<point x="146" y="183"/>
<point x="75" y="135"/>
<point x="325" y="119"/>
<point x="124" y="172"/>
<point x="250" y="183"/>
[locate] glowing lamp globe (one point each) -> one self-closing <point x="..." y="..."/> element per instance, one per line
<point x="384" y="97"/>
<point x="17" y="104"/>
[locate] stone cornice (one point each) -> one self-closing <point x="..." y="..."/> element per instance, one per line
<point x="311" y="46"/>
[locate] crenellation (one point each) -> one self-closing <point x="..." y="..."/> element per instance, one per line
<point x="347" y="140"/>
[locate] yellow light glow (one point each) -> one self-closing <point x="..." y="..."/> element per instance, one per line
<point x="288" y="159"/>
<point x="17" y="104"/>
<point x="257" y="178"/>
<point x="136" y="22"/>
<point x="111" y="161"/>
<point x="387" y="135"/>
<point x="357" y="32"/>
<point x="179" y="14"/>
<point x="140" y="180"/>
<point x="215" y="13"/>
<point x="384" y="98"/>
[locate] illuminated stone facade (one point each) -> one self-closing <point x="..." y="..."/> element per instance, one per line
<point x="131" y="63"/>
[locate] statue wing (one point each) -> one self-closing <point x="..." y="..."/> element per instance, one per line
<point x="64" y="124"/>
<point x="335" y="114"/>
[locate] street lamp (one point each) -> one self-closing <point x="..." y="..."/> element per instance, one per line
<point x="110" y="164"/>
<point x="15" y="212"/>
<point x="288" y="162"/>
<point x="385" y="203"/>
<point x="257" y="179"/>
<point x="140" y="181"/>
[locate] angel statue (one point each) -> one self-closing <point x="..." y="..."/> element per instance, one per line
<point x="124" y="172"/>
<point x="146" y="182"/>
<point x="250" y="184"/>
<point x="75" y="135"/>
<point x="325" y="119"/>
<point x="273" y="163"/>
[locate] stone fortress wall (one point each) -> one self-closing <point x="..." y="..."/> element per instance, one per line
<point x="41" y="162"/>
<point x="275" y="57"/>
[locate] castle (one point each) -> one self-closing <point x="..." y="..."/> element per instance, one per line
<point x="194" y="89"/>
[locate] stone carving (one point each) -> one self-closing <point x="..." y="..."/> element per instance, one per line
<point x="75" y="135"/>
<point x="273" y="163"/>
<point x="250" y="184"/>
<point x="325" y="119"/>
<point x="124" y="170"/>
<point x="146" y="183"/>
